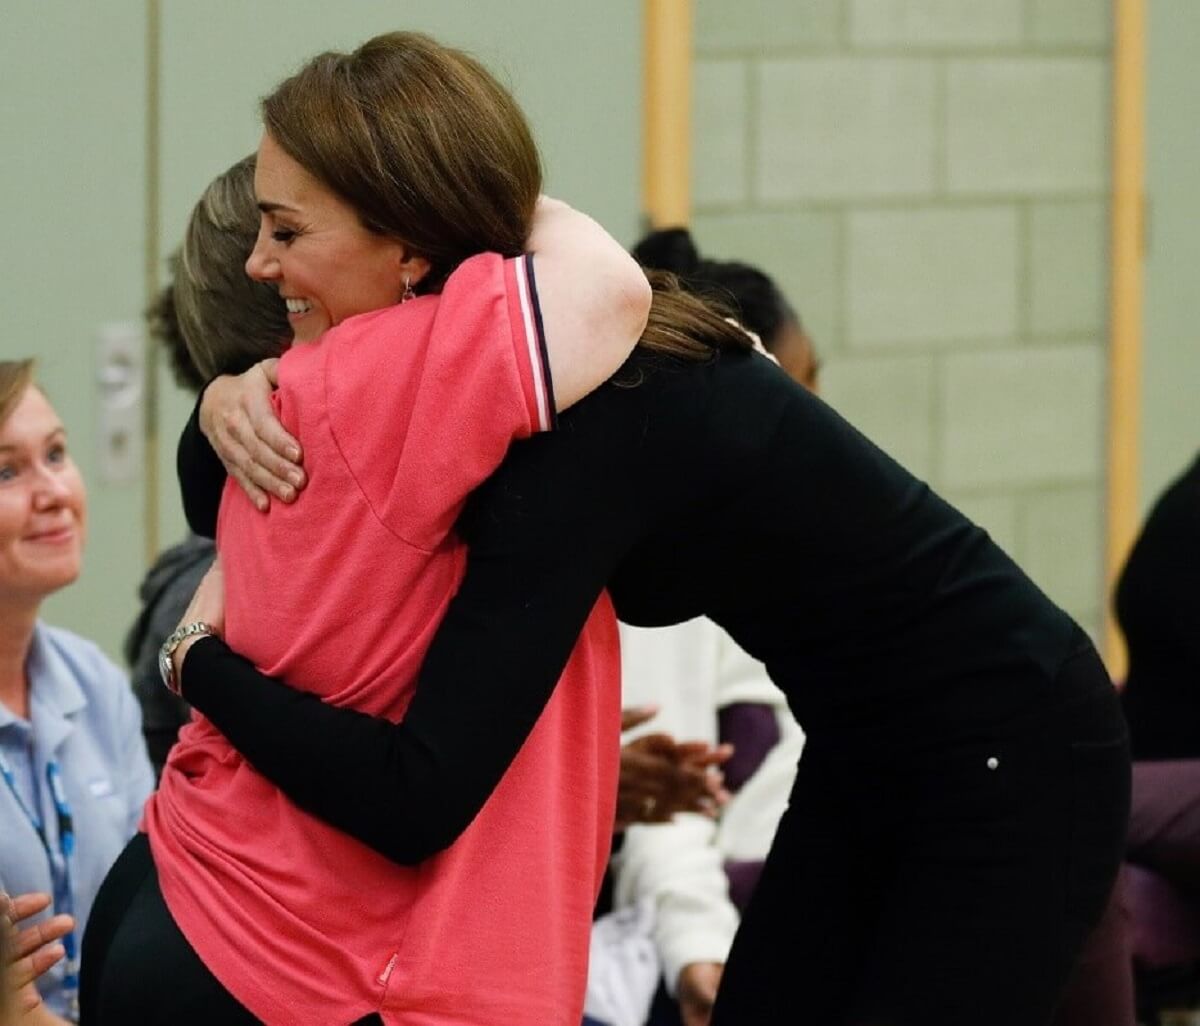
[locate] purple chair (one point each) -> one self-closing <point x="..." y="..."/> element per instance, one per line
<point x="1164" y="925"/>
<point x="1164" y="934"/>
<point x="753" y="731"/>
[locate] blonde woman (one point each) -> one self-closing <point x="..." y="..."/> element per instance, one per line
<point x="73" y="768"/>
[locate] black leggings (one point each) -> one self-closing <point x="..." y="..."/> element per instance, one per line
<point x="944" y="885"/>
<point x="129" y="928"/>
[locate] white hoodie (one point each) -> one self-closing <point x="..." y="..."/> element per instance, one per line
<point x="691" y="671"/>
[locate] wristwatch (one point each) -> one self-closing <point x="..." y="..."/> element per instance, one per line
<point x="166" y="667"/>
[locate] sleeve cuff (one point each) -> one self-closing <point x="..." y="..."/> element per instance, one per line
<point x="199" y="665"/>
<point x="698" y="946"/>
<point x="545" y="416"/>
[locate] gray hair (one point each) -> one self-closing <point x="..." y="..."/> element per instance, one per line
<point x="228" y="320"/>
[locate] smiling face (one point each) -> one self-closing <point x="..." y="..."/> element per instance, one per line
<point x="314" y="248"/>
<point x="43" y="504"/>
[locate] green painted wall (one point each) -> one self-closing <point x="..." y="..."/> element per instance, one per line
<point x="72" y="181"/>
<point x="1171" y="379"/>
<point x="927" y="179"/>
<point x="72" y="174"/>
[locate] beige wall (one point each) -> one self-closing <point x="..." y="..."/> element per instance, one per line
<point x="925" y="177"/>
<point x="927" y="180"/>
<point x="73" y="178"/>
<point x="1171" y="380"/>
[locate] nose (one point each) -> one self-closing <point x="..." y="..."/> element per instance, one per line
<point x="260" y="264"/>
<point x="50" y="489"/>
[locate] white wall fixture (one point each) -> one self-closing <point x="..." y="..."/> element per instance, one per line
<point x="119" y="384"/>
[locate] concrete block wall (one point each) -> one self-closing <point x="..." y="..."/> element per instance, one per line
<point x="926" y="179"/>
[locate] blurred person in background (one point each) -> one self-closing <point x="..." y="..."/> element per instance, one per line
<point x="753" y="296"/>
<point x="72" y="760"/>
<point x="217" y="301"/>
<point x="1157" y="606"/>
<point x="1157" y="603"/>
<point x="170" y="582"/>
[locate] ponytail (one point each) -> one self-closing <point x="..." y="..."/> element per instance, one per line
<point x="686" y="325"/>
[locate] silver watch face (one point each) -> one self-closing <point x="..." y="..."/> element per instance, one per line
<point x="165" y="669"/>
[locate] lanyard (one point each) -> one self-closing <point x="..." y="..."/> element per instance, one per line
<point x="64" y="898"/>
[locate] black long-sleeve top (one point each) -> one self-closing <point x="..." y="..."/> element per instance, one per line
<point x="1158" y="608"/>
<point x="718" y="488"/>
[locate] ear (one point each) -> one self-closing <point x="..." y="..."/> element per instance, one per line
<point x="413" y="267"/>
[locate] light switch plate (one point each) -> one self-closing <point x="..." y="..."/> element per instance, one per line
<point x="120" y="385"/>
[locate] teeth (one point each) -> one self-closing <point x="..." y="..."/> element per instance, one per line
<point x="298" y="306"/>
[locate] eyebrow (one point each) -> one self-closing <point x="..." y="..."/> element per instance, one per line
<point x="267" y="207"/>
<point x="60" y="430"/>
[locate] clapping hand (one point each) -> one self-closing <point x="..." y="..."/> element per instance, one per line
<point x="661" y="776"/>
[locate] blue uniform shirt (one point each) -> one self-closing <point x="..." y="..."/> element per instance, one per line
<point x="83" y="716"/>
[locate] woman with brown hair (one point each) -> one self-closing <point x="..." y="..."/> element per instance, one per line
<point x="73" y="770"/>
<point x="436" y="341"/>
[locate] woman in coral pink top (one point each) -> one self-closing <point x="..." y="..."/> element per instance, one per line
<point x="396" y="242"/>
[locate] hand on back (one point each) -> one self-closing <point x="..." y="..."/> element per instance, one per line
<point x="239" y="422"/>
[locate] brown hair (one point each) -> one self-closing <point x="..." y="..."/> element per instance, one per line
<point x="162" y="321"/>
<point x="421" y="140"/>
<point x="424" y="143"/>
<point x="228" y="321"/>
<point x="758" y="301"/>
<point x="15" y="377"/>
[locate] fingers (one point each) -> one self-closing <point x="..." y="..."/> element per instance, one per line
<point x="32" y="950"/>
<point x="699" y="753"/>
<point x="267" y="428"/>
<point x="29" y="967"/>
<point x="661" y="745"/>
<point x="636" y="715"/>
<point x="654" y="787"/>
<point x="661" y="776"/>
<point x="24" y="905"/>
<point x="250" y="445"/>
<point x="239" y="421"/>
<point x="29" y="940"/>
<point x="256" y="495"/>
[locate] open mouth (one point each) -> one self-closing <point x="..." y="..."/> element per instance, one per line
<point x="298" y="307"/>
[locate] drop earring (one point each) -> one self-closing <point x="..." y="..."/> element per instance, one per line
<point x="408" y="291"/>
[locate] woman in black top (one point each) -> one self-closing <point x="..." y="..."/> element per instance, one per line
<point x="1158" y="607"/>
<point x="959" y="811"/>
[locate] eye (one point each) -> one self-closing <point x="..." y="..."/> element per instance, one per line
<point x="8" y="472"/>
<point x="284" y="235"/>
<point x="57" y="453"/>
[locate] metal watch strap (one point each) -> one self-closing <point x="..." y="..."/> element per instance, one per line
<point x="166" y="667"/>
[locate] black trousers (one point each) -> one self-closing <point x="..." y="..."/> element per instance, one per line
<point x="940" y="883"/>
<point x="130" y="932"/>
